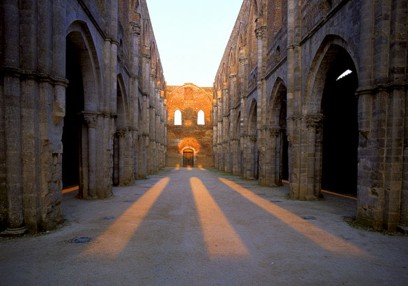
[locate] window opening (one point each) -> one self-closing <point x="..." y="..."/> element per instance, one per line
<point x="177" y="117"/>
<point x="200" y="118"/>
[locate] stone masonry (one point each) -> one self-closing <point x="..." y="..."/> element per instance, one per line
<point x="283" y="113"/>
<point x="192" y="136"/>
<point x="81" y="104"/>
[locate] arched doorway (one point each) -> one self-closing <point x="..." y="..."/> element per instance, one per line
<point x="188" y="157"/>
<point x="283" y="140"/>
<point x="340" y="124"/>
<point x="118" y="139"/>
<point x="79" y="156"/>
<point x="253" y="157"/>
<point x="72" y="130"/>
<point x="278" y="155"/>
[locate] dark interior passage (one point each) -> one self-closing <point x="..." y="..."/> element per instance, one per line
<point x="284" y="160"/>
<point x="71" y="137"/>
<point x="340" y="127"/>
<point x="188" y="158"/>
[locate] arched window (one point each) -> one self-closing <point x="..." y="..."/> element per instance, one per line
<point x="200" y="118"/>
<point x="177" y="117"/>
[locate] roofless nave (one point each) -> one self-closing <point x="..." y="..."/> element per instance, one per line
<point x="83" y="103"/>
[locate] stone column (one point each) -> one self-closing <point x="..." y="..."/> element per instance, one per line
<point x="314" y="127"/>
<point x="235" y="156"/>
<point x="215" y="130"/>
<point x="90" y="120"/>
<point x="152" y="140"/>
<point x="121" y="137"/>
<point x="134" y="88"/>
<point x="145" y="137"/>
<point x="276" y="148"/>
<point x="12" y="121"/>
<point x="243" y="78"/>
<point x="294" y="99"/>
<point x="263" y="156"/>
<point x="273" y="158"/>
<point x="397" y="98"/>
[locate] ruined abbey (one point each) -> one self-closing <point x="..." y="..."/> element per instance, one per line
<point x="315" y="93"/>
<point x="312" y="94"/>
<point x="81" y="103"/>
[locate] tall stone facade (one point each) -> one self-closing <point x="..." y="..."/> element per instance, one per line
<point x="190" y="127"/>
<point x="285" y="110"/>
<point x="81" y="104"/>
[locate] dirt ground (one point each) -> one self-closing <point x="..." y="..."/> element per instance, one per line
<point x="203" y="227"/>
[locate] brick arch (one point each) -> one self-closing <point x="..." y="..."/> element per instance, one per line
<point x="79" y="35"/>
<point x="324" y="57"/>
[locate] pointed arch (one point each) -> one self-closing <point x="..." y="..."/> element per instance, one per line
<point x="232" y="61"/>
<point x="121" y="104"/>
<point x="332" y="118"/>
<point x="324" y="57"/>
<point x="79" y="36"/>
<point x="252" y="124"/>
<point x="82" y="106"/>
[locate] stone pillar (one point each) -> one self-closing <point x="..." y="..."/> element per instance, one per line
<point x="314" y="124"/>
<point x="215" y="129"/>
<point x="15" y="219"/>
<point x="276" y="152"/>
<point x="243" y="78"/>
<point x="121" y="171"/>
<point x="134" y="22"/>
<point x="91" y="120"/>
<point x="395" y="200"/>
<point x="220" y="151"/>
<point x="250" y="153"/>
<point x="152" y="140"/>
<point x="12" y="120"/>
<point x="263" y="156"/>
<point x="272" y="158"/>
<point x="294" y="94"/>
<point x="145" y="136"/>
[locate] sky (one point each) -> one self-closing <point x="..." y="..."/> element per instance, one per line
<point x="191" y="36"/>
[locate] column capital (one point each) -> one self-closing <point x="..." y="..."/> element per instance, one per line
<point x="274" y="132"/>
<point x="90" y="119"/>
<point x="260" y="32"/>
<point x="120" y="133"/>
<point x="252" y="138"/>
<point x="134" y="28"/>
<point x="314" y="120"/>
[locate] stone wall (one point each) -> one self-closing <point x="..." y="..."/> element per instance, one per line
<point x="190" y="135"/>
<point x="82" y="103"/>
<point x="277" y="96"/>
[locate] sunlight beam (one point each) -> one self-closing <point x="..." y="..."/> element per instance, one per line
<point x="322" y="238"/>
<point x="112" y="242"/>
<point x="220" y="237"/>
